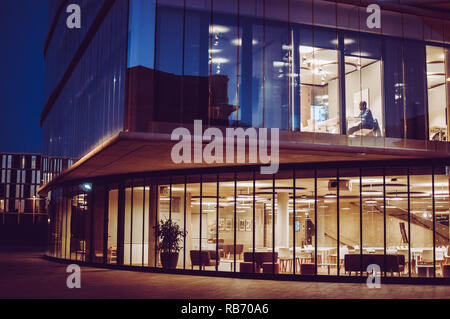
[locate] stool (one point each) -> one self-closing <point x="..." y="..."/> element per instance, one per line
<point x="268" y="268"/>
<point x="248" y="267"/>
<point x="446" y="271"/>
<point x="307" y="269"/>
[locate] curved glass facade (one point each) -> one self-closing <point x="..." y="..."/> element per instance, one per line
<point x="314" y="69"/>
<point x="305" y="220"/>
<point x="294" y="65"/>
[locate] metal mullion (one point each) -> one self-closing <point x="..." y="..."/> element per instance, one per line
<point x="384" y="220"/>
<point x="201" y="220"/>
<point x="338" y="259"/>
<point x="217" y="222"/>
<point x="273" y="224"/>
<point x="315" y="219"/>
<point x="156" y="222"/>
<point x="235" y="215"/>
<point x="294" y="264"/>
<point x="253" y="222"/>
<point x="184" y="223"/>
<point x="67" y="210"/>
<point x="91" y="203"/>
<point x="105" y="225"/>
<point x="360" y="224"/>
<point x="131" y="222"/>
<point x="71" y="212"/>
<point x="409" y="222"/>
<point x="434" y="220"/>
<point x="143" y="223"/>
<point x="170" y="199"/>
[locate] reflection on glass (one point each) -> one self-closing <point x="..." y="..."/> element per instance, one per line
<point x="305" y="224"/>
<point x="319" y="90"/>
<point x="397" y="226"/>
<point x="421" y="214"/>
<point x="363" y="87"/>
<point x="327" y="255"/>
<point x="437" y="96"/>
<point x="349" y="222"/>
<point x="113" y="196"/>
<point x="441" y="204"/>
<point x="226" y="222"/>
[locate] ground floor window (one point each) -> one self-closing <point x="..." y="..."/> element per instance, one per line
<point x="315" y="221"/>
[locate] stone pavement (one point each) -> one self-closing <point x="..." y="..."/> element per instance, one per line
<point x="28" y="275"/>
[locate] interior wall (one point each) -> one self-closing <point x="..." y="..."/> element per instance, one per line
<point x="436" y="106"/>
<point x="370" y="79"/>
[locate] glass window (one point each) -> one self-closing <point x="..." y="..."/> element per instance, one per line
<point x="169" y="61"/>
<point x="195" y="223"/>
<point x="305" y="222"/>
<point x="394" y="88"/>
<point x="349" y="221"/>
<point x="177" y="208"/>
<point x="372" y="196"/>
<point x="441" y="206"/>
<point x="319" y="81"/>
<point x="326" y="223"/>
<point x="363" y="85"/>
<point x="437" y="96"/>
<point x="209" y="218"/>
<point x="226" y="222"/>
<point x="113" y="209"/>
<point x="415" y="107"/>
<point x="397" y="224"/>
<point x="421" y="215"/>
<point x="277" y="68"/>
<point x="283" y="221"/>
<point x="244" y="225"/>
<point x="224" y="60"/>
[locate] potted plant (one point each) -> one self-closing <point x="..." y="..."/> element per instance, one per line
<point x="169" y="245"/>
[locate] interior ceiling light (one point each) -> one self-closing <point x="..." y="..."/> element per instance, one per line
<point x="215" y="28"/>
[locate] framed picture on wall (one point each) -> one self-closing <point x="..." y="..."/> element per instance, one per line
<point x="229" y="224"/>
<point x="248" y="225"/>
<point x="221" y="224"/>
<point x="242" y="224"/>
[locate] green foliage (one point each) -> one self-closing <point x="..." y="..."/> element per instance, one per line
<point x="169" y="234"/>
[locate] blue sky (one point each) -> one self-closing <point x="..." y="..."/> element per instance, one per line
<point x="23" y="27"/>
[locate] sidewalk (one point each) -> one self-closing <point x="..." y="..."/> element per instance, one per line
<point x="27" y="275"/>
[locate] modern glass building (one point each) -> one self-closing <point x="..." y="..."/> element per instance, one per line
<point x="353" y="189"/>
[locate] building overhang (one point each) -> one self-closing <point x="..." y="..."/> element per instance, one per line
<point x="133" y="152"/>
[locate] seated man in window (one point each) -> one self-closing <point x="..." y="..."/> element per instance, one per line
<point x="367" y="121"/>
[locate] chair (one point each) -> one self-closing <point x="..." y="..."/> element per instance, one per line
<point x="248" y="267"/>
<point x="285" y="258"/>
<point x="425" y="261"/>
<point x="112" y="255"/>
<point x="268" y="268"/>
<point x="204" y="258"/>
<point x="446" y="271"/>
<point x="307" y="269"/>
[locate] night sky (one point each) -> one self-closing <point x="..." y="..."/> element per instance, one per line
<point x="23" y="27"/>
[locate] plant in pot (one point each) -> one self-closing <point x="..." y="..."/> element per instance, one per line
<point x="169" y="245"/>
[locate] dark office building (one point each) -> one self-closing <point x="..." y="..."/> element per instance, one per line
<point x="363" y="118"/>
<point x="23" y="212"/>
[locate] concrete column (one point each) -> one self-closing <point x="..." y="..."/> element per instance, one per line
<point x="282" y="231"/>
